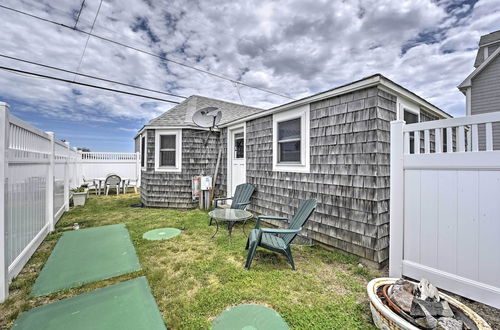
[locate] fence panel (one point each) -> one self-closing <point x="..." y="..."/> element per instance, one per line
<point x="445" y="214"/>
<point x="61" y="159"/>
<point x="100" y="164"/>
<point x="26" y="162"/>
<point x="37" y="172"/>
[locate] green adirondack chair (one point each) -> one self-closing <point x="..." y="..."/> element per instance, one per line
<point x="241" y="197"/>
<point x="276" y="239"/>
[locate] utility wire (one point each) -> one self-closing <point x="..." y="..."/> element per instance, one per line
<point x="163" y="58"/>
<point x="79" y="12"/>
<point x="89" y="76"/>
<point x="84" y="84"/>
<point x="239" y="94"/>
<point x="88" y="38"/>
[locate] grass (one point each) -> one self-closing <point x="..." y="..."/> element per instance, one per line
<point x="194" y="278"/>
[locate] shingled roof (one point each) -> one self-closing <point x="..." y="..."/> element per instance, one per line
<point x="181" y="115"/>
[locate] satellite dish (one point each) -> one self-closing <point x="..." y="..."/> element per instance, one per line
<point x="207" y="117"/>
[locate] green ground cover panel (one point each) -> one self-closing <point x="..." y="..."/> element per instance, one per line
<point x="87" y="255"/>
<point x="161" y="234"/>
<point x="126" y="305"/>
<point x="249" y="317"/>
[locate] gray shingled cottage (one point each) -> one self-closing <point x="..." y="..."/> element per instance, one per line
<point x="333" y="146"/>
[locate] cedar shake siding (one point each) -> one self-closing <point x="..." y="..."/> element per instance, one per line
<point x="173" y="189"/>
<point x="349" y="173"/>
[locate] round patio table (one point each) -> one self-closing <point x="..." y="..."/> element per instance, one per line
<point x="230" y="216"/>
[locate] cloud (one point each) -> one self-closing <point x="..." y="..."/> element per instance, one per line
<point x="295" y="47"/>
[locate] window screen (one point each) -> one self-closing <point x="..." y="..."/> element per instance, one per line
<point x="289" y="141"/>
<point x="411" y="118"/>
<point x="167" y="150"/>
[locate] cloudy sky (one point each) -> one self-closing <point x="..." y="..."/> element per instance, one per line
<point x="293" y="47"/>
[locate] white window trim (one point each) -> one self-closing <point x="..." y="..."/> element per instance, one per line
<point x="229" y="142"/>
<point x="178" y="150"/>
<point x="145" y="150"/>
<point x="406" y="105"/>
<point x="301" y="112"/>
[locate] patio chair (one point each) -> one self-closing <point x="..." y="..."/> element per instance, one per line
<point x="130" y="183"/>
<point x="240" y="200"/>
<point x="277" y="239"/>
<point x="112" y="181"/>
<point x="91" y="184"/>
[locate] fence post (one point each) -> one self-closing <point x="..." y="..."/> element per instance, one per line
<point x="4" y="145"/>
<point x="50" y="184"/>
<point x="66" y="177"/>
<point x="138" y="169"/>
<point x="80" y="167"/>
<point x="396" y="239"/>
<point x="76" y="173"/>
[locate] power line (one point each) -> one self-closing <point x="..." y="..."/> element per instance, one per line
<point x="79" y="12"/>
<point x="88" y="38"/>
<point x="163" y="58"/>
<point x="84" y="84"/>
<point x="239" y="94"/>
<point x="89" y="76"/>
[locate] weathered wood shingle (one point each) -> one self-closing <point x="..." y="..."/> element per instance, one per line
<point x="349" y="173"/>
<point x="171" y="189"/>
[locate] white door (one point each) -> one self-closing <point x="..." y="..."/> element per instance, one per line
<point x="236" y="155"/>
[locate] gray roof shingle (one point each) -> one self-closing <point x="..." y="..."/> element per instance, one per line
<point x="181" y="114"/>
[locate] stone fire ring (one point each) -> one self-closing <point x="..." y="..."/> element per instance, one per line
<point x="161" y="234"/>
<point x="385" y="318"/>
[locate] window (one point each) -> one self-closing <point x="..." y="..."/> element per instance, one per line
<point x="411" y="118"/>
<point x="239" y="146"/>
<point x="143" y="151"/>
<point x="168" y="150"/>
<point x="291" y="140"/>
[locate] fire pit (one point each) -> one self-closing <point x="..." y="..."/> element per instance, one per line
<point x="387" y="313"/>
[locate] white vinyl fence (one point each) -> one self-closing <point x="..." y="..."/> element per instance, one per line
<point x="37" y="172"/>
<point x="445" y="205"/>
<point x="99" y="164"/>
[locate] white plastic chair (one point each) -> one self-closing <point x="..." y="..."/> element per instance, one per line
<point x="130" y="183"/>
<point x="91" y="184"/>
<point x="113" y="181"/>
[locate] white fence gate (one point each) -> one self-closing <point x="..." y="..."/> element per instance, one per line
<point x="445" y="205"/>
<point x="37" y="172"/>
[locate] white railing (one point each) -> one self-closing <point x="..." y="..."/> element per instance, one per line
<point x="445" y="204"/>
<point x="109" y="156"/>
<point x="37" y="172"/>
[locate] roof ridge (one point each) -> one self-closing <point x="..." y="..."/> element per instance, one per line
<point x="228" y="102"/>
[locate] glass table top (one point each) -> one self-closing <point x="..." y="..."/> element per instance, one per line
<point x="230" y="214"/>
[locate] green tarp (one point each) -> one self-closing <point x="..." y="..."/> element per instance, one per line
<point x="87" y="255"/>
<point x="126" y="305"/>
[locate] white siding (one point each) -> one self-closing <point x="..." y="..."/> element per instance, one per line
<point x="485" y="97"/>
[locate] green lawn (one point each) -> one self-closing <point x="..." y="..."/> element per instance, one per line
<point x="194" y="278"/>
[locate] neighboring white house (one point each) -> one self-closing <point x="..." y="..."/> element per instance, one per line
<point x="482" y="86"/>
